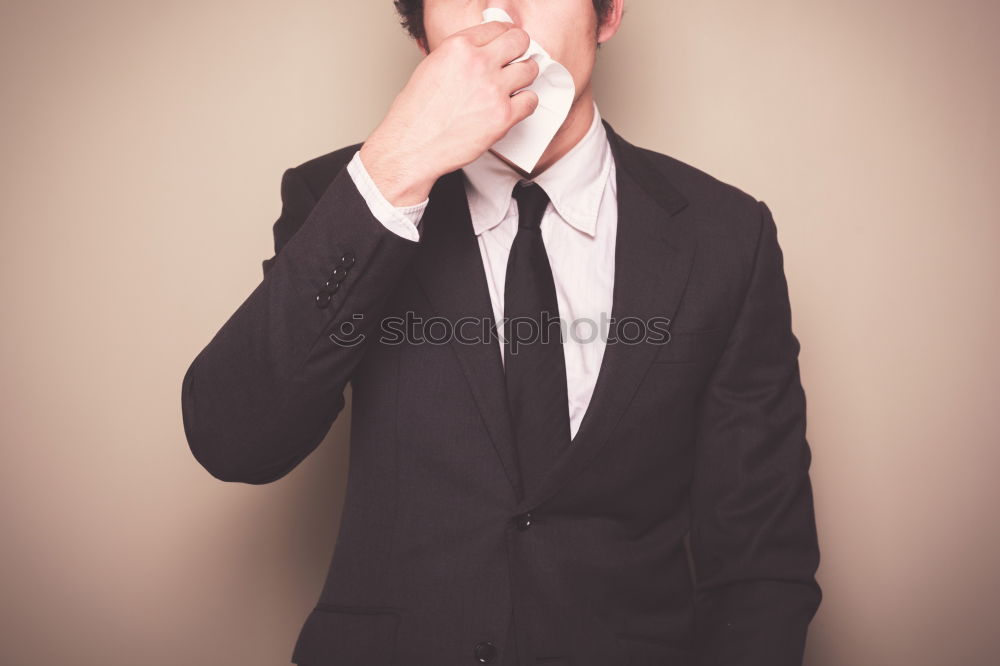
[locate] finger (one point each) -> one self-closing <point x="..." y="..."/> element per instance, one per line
<point x="524" y="104"/>
<point x="484" y="33"/>
<point x="508" y="46"/>
<point x="519" y="75"/>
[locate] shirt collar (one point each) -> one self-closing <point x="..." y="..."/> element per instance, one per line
<point x="575" y="183"/>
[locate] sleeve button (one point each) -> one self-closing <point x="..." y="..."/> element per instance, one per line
<point x="322" y="299"/>
<point x="485" y="652"/>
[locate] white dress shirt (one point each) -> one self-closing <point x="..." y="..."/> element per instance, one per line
<point x="578" y="229"/>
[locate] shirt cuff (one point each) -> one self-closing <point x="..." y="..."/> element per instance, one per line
<point x="402" y="220"/>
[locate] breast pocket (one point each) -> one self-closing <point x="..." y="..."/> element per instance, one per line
<point x="694" y="346"/>
<point x="340" y="635"/>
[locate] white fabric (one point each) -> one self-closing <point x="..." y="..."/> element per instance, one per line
<point x="525" y="142"/>
<point x="400" y="219"/>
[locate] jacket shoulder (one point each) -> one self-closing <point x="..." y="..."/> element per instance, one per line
<point x="318" y="172"/>
<point x="727" y="220"/>
<point x="703" y="191"/>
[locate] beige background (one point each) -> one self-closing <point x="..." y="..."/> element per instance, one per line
<point x="143" y="146"/>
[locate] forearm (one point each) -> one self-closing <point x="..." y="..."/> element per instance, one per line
<point x="404" y="180"/>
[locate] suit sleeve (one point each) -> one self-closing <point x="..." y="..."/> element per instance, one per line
<point x="263" y="393"/>
<point x="753" y="532"/>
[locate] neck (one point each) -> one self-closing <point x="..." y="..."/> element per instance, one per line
<point x="574" y="128"/>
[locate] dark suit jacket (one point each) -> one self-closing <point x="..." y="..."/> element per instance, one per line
<point x="677" y="529"/>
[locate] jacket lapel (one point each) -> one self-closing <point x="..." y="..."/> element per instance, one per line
<point x="449" y="268"/>
<point x="653" y="257"/>
<point x="654" y="252"/>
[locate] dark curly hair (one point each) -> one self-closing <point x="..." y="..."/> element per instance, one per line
<point x="411" y="14"/>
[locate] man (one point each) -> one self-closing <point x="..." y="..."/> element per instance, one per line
<point x="610" y="500"/>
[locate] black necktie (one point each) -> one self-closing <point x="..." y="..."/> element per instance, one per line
<point x="533" y="354"/>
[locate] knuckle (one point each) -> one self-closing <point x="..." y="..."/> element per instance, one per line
<point x="478" y="61"/>
<point x="458" y="42"/>
<point x="495" y="89"/>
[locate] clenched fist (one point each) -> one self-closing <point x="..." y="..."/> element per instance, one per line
<point x="458" y="102"/>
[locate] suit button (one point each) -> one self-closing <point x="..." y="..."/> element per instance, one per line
<point x="338" y="274"/>
<point x="332" y="285"/>
<point x="347" y="259"/>
<point x="322" y="299"/>
<point x="485" y="652"/>
<point x="522" y="521"/>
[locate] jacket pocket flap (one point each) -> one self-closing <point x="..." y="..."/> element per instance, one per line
<point x="649" y="651"/>
<point x="347" y="636"/>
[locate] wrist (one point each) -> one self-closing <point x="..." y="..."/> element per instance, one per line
<point x="399" y="179"/>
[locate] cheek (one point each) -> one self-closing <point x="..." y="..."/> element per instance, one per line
<point x="580" y="64"/>
<point x="439" y="23"/>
